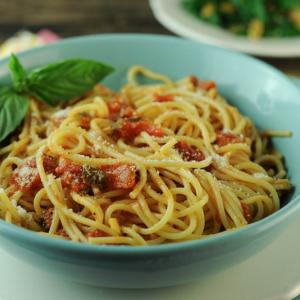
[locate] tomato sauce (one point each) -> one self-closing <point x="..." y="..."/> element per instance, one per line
<point x="85" y="121"/>
<point x="61" y="232"/>
<point x="26" y="177"/>
<point x="71" y="176"/>
<point x="247" y="212"/>
<point x="120" y="176"/>
<point x="188" y="152"/>
<point x="119" y="108"/>
<point x="116" y="176"/>
<point x="129" y="130"/>
<point x="224" y="139"/>
<point x="46" y="219"/>
<point x="163" y="98"/>
<point x="97" y="233"/>
<point x="202" y="84"/>
<point x="74" y="177"/>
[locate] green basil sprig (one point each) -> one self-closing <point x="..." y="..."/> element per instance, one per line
<point x="13" y="109"/>
<point x="53" y="84"/>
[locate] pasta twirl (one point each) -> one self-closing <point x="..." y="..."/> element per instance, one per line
<point x="151" y="164"/>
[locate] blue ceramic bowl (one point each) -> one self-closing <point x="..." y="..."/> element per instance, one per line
<point x="258" y="90"/>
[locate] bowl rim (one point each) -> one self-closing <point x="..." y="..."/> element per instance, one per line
<point x="12" y="231"/>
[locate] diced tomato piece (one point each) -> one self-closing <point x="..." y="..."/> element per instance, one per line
<point x="207" y="85"/>
<point x="30" y="162"/>
<point x="203" y="84"/>
<point x="67" y="165"/>
<point x="119" y="108"/>
<point x="225" y="138"/>
<point x="62" y="233"/>
<point x="247" y="212"/>
<point x="97" y="233"/>
<point x="114" y="106"/>
<point x="189" y="153"/>
<point x="26" y="177"/>
<point x="194" y="81"/>
<point x="46" y="219"/>
<point x="71" y="176"/>
<point x="164" y="98"/>
<point x="129" y="130"/>
<point x="120" y="176"/>
<point x="153" y="129"/>
<point x="85" y="122"/>
<point x="218" y="218"/>
<point x="50" y="163"/>
<point x="76" y="179"/>
<point x="125" y="217"/>
<point x="114" y="110"/>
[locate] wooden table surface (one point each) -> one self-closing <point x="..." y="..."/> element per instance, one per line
<point x="80" y="17"/>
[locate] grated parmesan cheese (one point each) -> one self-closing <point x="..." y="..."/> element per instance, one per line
<point x="25" y="171"/>
<point x="226" y="130"/>
<point x="97" y="147"/>
<point x="21" y="211"/>
<point x="260" y="175"/>
<point x="94" y="135"/>
<point x="62" y="114"/>
<point x="220" y="160"/>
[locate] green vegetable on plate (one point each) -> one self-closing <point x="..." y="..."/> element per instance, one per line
<point x="254" y="18"/>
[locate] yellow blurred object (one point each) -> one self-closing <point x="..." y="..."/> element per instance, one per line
<point x="227" y="8"/>
<point x="22" y="41"/>
<point x="255" y="29"/>
<point x="207" y="10"/>
<point x="295" y="17"/>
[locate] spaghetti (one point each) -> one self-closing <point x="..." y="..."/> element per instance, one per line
<point x="151" y="164"/>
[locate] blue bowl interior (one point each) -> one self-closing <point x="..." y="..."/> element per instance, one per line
<point x="264" y="94"/>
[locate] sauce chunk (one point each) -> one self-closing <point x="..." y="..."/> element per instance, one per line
<point x="224" y="139"/>
<point x="120" y="176"/>
<point x="188" y="152"/>
<point x="129" y="130"/>
<point x="26" y="177"/>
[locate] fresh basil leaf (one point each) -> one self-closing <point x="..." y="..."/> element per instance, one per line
<point x="13" y="108"/>
<point x="65" y="80"/>
<point x="18" y="73"/>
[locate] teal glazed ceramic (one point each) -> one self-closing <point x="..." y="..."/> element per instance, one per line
<point x="258" y="90"/>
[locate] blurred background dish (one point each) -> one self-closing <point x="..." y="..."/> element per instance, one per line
<point x="69" y="18"/>
<point x="254" y="19"/>
<point x="173" y="15"/>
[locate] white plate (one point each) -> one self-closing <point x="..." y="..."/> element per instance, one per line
<point x="171" y="15"/>
<point x="274" y="274"/>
